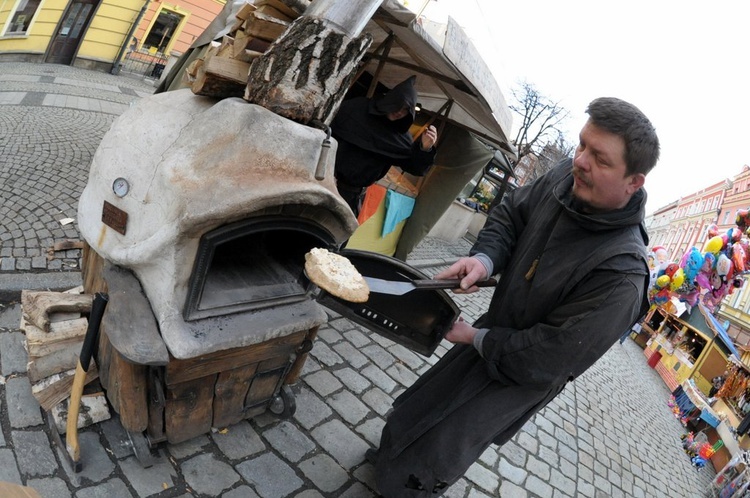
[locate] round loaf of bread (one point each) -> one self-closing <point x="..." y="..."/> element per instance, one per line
<point x="337" y="275"/>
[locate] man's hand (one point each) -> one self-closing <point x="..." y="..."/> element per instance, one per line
<point x="429" y="137"/>
<point x="461" y="333"/>
<point x="469" y="270"/>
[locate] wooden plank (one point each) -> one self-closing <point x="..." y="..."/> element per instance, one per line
<point x="264" y="26"/>
<point x="66" y="245"/>
<point x="129" y="320"/>
<point x="53" y="363"/>
<point x="128" y="393"/>
<point x="54" y="389"/>
<point x="263" y="387"/>
<point x="60" y="336"/>
<point x="37" y="305"/>
<point x="9" y="490"/>
<point x="221" y="77"/>
<point x="91" y="270"/>
<point x="201" y="366"/>
<point x="269" y="10"/>
<point x="230" y="392"/>
<point x="189" y="409"/>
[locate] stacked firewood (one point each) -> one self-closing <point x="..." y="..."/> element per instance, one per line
<point x="54" y="326"/>
<point x="223" y="70"/>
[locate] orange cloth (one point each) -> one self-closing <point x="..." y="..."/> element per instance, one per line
<point x="374" y="196"/>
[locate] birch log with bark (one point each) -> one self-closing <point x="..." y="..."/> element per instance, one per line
<point x="305" y="74"/>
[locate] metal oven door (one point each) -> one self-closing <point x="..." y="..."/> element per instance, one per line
<point x="417" y="320"/>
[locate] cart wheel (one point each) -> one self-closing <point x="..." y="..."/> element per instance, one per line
<point x="283" y="404"/>
<point x="141" y="449"/>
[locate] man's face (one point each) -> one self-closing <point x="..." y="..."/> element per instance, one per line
<point x="601" y="179"/>
<point x="395" y="116"/>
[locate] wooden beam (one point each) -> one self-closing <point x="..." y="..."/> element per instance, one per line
<point x="376" y="77"/>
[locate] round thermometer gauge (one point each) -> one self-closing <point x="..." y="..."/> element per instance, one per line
<point x="121" y="187"/>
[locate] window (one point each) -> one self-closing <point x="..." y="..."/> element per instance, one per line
<point x="22" y="17"/>
<point x="726" y="217"/>
<point x="162" y="30"/>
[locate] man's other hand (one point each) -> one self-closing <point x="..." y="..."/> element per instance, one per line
<point x="469" y="270"/>
<point x="461" y="333"/>
<point x="429" y="137"/>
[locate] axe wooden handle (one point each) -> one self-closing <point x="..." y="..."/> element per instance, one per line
<point x="79" y="381"/>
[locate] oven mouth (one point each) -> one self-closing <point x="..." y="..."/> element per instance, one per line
<point x="253" y="264"/>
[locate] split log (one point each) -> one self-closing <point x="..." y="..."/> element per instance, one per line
<point x="53" y="363"/>
<point x="264" y="26"/>
<point x="94" y="409"/>
<point x="56" y="388"/>
<point x="290" y="10"/>
<point x="306" y="72"/>
<point x="37" y="305"/>
<point x="221" y="77"/>
<point x="60" y="336"/>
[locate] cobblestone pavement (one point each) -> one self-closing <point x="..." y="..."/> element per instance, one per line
<point x="609" y="434"/>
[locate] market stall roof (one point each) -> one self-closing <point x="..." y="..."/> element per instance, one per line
<point x="452" y="80"/>
<point x="719" y="330"/>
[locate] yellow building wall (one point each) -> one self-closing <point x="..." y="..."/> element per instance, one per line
<point x="106" y="34"/>
<point x="40" y="30"/>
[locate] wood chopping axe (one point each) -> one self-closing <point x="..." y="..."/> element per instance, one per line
<point x="90" y="341"/>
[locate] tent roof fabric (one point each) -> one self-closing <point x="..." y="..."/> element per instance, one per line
<point x="450" y="71"/>
<point x="719" y="330"/>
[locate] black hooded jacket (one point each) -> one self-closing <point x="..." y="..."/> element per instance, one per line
<point x="369" y="143"/>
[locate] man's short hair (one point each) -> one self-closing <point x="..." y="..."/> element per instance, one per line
<point x="627" y="121"/>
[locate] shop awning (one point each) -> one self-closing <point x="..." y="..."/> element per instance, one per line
<point x="452" y="79"/>
<point x="719" y="330"/>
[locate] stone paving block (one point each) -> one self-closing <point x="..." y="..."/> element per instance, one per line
<point x="512" y="472"/>
<point x="483" y="477"/>
<point x="188" y="448"/>
<point x="357" y="338"/>
<point x="8" y="467"/>
<point x="371" y="430"/>
<point x="341" y="443"/>
<point x="489" y="457"/>
<point x="351" y="409"/>
<point x="310" y="409"/>
<point x="117" y="438"/>
<point x="289" y="441"/>
<point x="325" y="355"/>
<point x="566" y="484"/>
<point x="308" y="493"/>
<point x="50" y="487"/>
<point x="356" y="490"/>
<point x="365" y="474"/>
<point x="323" y="382"/>
<point x="10" y="316"/>
<point x="23" y="408"/>
<point x="238" y="441"/>
<point x="527" y="442"/>
<point x="13" y="356"/>
<point x="379" y="401"/>
<point x="270" y="476"/>
<point x="95" y="462"/>
<point x="207" y="475"/>
<point x="402" y="374"/>
<point x="114" y="488"/>
<point x="352" y="380"/>
<point x="33" y="453"/>
<point x="329" y="335"/>
<point x="241" y="492"/>
<point x="351" y="354"/>
<point x="379" y="378"/>
<point x="378" y="355"/>
<point x="152" y="480"/>
<point x="324" y="472"/>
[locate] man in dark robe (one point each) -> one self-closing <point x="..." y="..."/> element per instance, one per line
<point x="571" y="251"/>
<point x="373" y="135"/>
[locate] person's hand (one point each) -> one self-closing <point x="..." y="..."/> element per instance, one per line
<point x="469" y="270"/>
<point x="461" y="333"/>
<point x="429" y="137"/>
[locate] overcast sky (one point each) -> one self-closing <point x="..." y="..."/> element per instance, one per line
<point x="684" y="64"/>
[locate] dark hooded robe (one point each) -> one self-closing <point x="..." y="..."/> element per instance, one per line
<point x="369" y="143"/>
<point x="571" y="283"/>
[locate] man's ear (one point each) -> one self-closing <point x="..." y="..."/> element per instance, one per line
<point x="636" y="181"/>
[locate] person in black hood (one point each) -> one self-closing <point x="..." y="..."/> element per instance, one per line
<point x="571" y="249"/>
<point x="373" y="135"/>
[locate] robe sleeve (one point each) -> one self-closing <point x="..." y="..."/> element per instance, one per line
<point x="419" y="161"/>
<point x="574" y="336"/>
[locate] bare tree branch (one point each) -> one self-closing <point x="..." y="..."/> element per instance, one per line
<point x="541" y="119"/>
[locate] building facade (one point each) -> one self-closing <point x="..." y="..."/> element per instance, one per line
<point x="102" y="34"/>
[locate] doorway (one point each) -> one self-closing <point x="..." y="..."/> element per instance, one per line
<point x="70" y="31"/>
